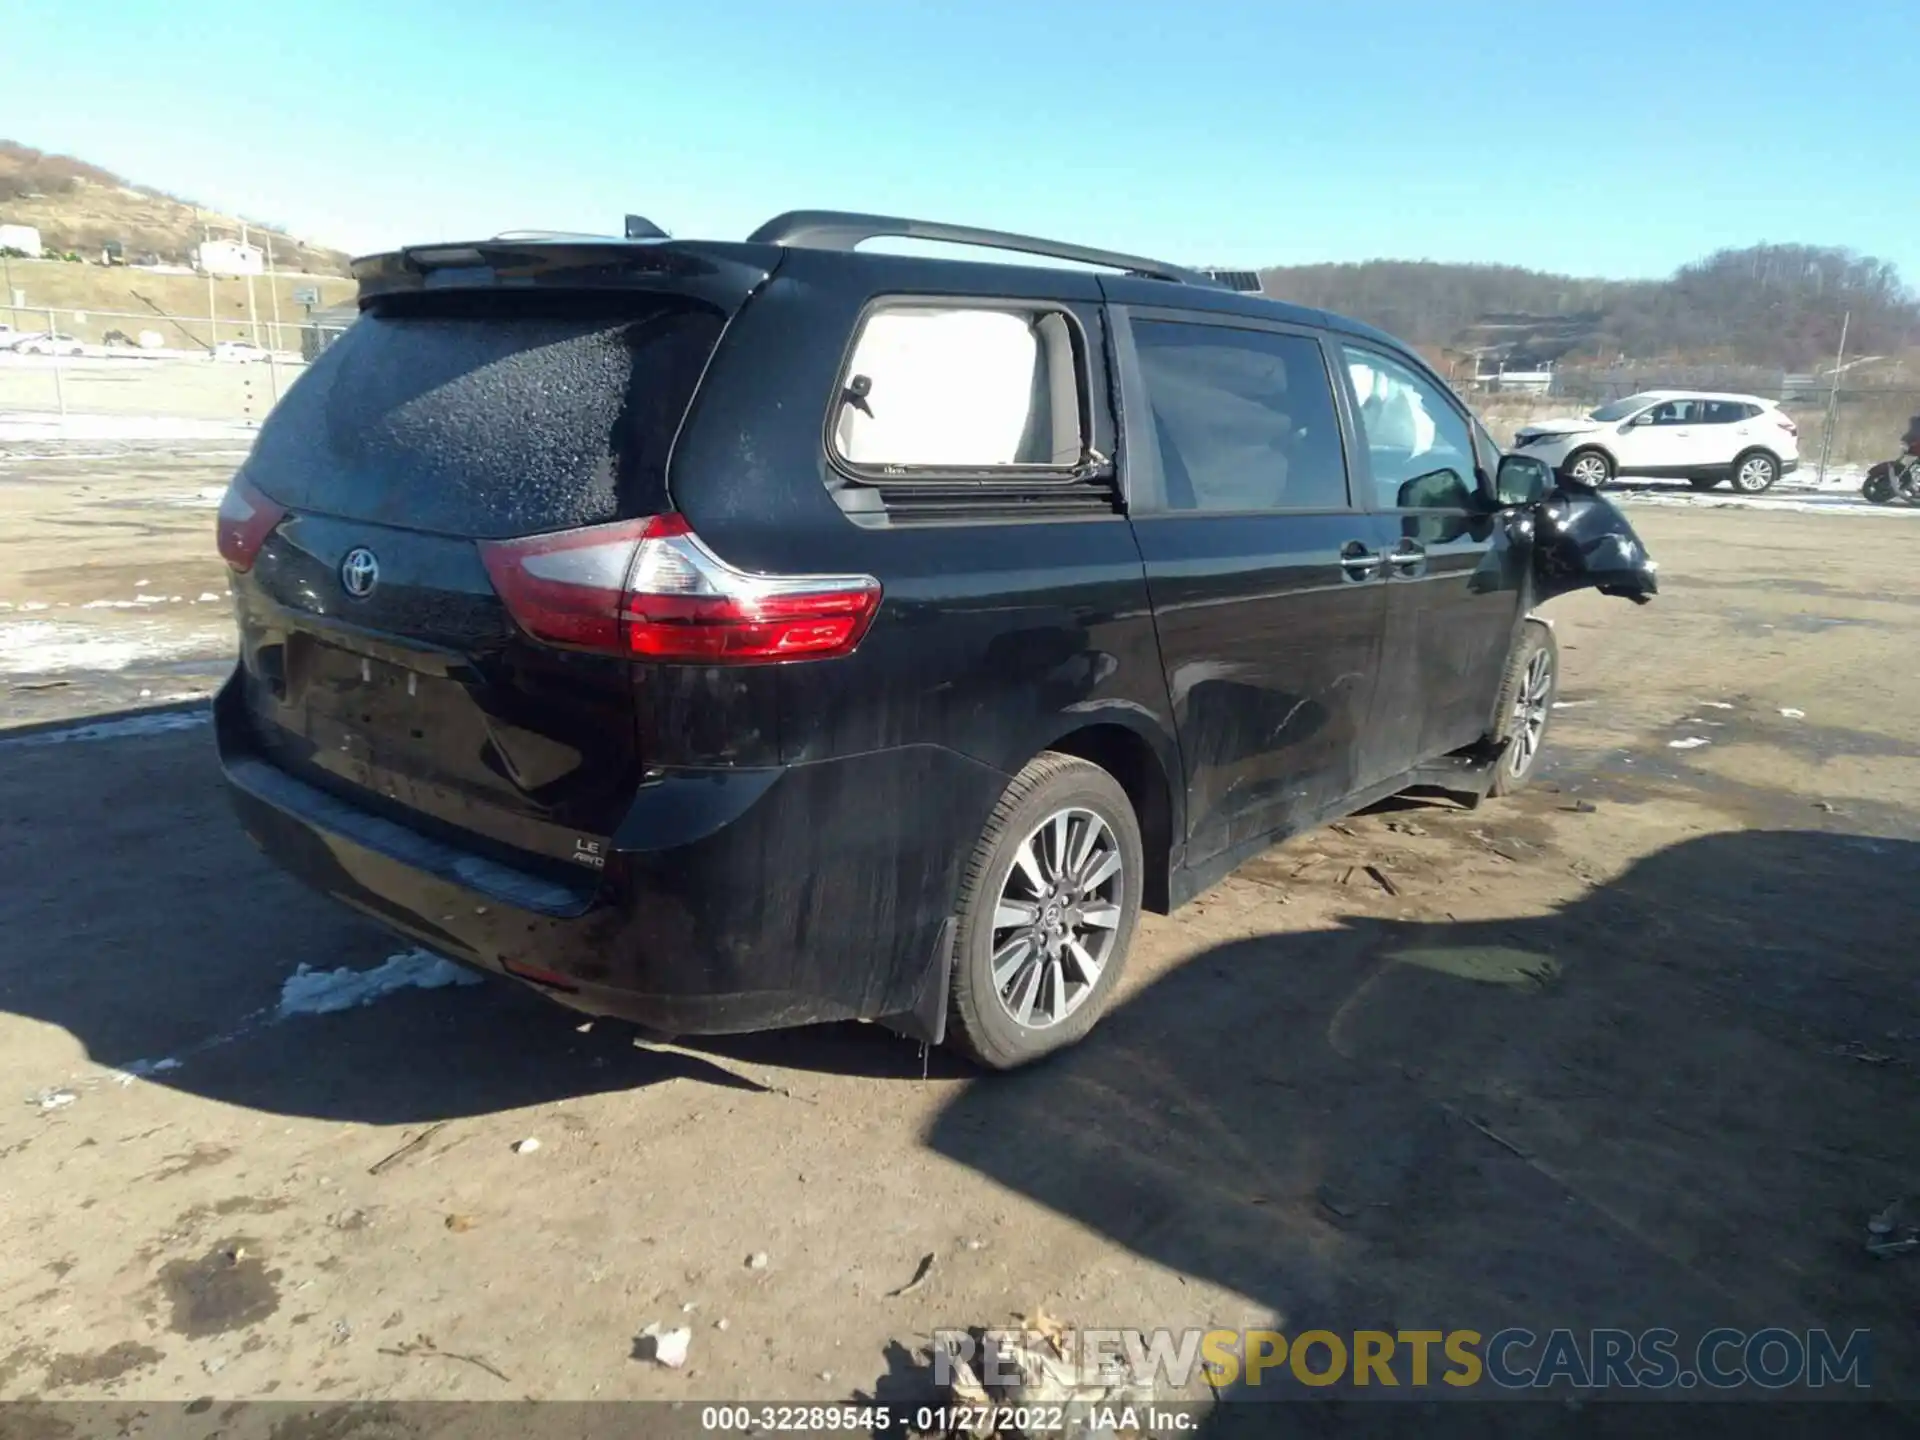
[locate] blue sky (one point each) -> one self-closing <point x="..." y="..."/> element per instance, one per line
<point x="1618" y="139"/>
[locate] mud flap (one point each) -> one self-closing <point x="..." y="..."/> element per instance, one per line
<point x="927" y="1020"/>
<point x="1581" y="540"/>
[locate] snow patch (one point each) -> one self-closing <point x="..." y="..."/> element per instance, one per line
<point x="155" y="724"/>
<point x="323" y="992"/>
<point x="23" y="456"/>
<point x="121" y="427"/>
<point x="141" y="1069"/>
<point x="1806" y="503"/>
<point x="33" y="647"/>
<point x="206" y="498"/>
<point x="1692" y="742"/>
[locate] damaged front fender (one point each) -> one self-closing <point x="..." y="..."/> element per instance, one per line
<point x="1581" y="540"/>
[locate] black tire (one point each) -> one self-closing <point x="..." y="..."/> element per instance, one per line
<point x="1755" y="472"/>
<point x="1526" y="696"/>
<point x="1588" y="467"/>
<point x="1703" y="482"/>
<point x="980" y="1023"/>
<point x="1879" y="486"/>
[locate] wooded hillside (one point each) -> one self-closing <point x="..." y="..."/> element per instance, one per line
<point x="1769" y="305"/>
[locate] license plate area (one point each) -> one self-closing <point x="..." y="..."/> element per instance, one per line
<point x="367" y="718"/>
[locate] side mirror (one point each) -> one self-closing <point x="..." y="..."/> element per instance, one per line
<point x="1523" y="480"/>
<point x="1646" y="419"/>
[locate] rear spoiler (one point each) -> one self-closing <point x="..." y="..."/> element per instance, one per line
<point x="720" y="273"/>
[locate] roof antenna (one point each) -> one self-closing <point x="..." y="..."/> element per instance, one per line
<point x="641" y="228"/>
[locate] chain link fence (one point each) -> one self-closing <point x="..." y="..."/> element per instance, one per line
<point x="97" y="349"/>
<point x="74" y="366"/>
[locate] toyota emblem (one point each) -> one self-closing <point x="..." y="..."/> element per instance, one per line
<point x="359" y="572"/>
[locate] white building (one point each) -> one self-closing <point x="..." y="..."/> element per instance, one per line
<point x="24" y="238"/>
<point x="229" y="257"/>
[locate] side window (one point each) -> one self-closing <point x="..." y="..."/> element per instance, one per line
<point x="954" y="388"/>
<point x="1726" y="412"/>
<point x="1677" y="412"/>
<point x="1244" y="418"/>
<point x="1421" y="450"/>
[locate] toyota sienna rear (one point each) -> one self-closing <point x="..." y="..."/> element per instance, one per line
<point x="727" y="636"/>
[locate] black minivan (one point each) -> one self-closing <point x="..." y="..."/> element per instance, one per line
<point x="735" y="635"/>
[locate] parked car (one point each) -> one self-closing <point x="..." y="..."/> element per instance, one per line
<point x="51" y="342"/>
<point x="1691" y="435"/>
<point x="238" y="352"/>
<point x="735" y="635"/>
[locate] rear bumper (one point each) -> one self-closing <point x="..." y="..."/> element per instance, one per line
<point x="731" y="901"/>
<point x="1787" y="467"/>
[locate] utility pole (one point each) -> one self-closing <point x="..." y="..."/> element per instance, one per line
<point x="213" y="319"/>
<point x="59" y="390"/>
<point x="253" y="312"/>
<point x="273" y="346"/>
<point x="1833" y="399"/>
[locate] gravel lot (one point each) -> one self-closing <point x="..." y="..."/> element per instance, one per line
<point x="1636" y="1048"/>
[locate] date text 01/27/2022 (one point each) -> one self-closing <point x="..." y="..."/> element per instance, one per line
<point x="934" y="1419"/>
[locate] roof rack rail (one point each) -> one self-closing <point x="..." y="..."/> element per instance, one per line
<point x="844" y="230"/>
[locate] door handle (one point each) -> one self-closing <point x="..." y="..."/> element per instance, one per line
<point x="1409" y="558"/>
<point x="1359" y="563"/>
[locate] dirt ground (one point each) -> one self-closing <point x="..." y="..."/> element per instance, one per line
<point x="1639" y="1047"/>
<point x="111" y="591"/>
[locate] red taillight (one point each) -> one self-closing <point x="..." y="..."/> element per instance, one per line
<point x="650" y="588"/>
<point x="1787" y="425"/>
<point x="246" y="519"/>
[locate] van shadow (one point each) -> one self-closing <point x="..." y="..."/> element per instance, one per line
<point x="1674" y="1102"/>
<point x="140" y="920"/>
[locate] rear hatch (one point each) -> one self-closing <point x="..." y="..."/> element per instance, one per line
<point x="501" y="401"/>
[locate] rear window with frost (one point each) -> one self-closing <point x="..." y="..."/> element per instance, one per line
<point x="490" y="415"/>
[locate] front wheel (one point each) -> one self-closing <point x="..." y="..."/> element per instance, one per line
<point x="1526" y="707"/>
<point x="1880" y="486"/>
<point x="1591" y="468"/>
<point x="1048" y="908"/>
<point x="1755" y="472"/>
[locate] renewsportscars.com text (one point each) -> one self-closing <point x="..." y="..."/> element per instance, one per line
<point x="1512" y="1359"/>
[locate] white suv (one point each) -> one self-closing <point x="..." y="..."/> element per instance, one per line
<point x="1690" y="435"/>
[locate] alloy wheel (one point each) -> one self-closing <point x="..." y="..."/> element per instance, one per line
<point x="1589" y="470"/>
<point x="1755" y="474"/>
<point x="1530" y="709"/>
<point x="1057" y="917"/>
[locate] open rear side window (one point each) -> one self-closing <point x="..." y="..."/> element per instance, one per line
<point x="939" y="390"/>
<point x="490" y="415"/>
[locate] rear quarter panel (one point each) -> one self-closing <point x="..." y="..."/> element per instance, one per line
<point x="993" y="639"/>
